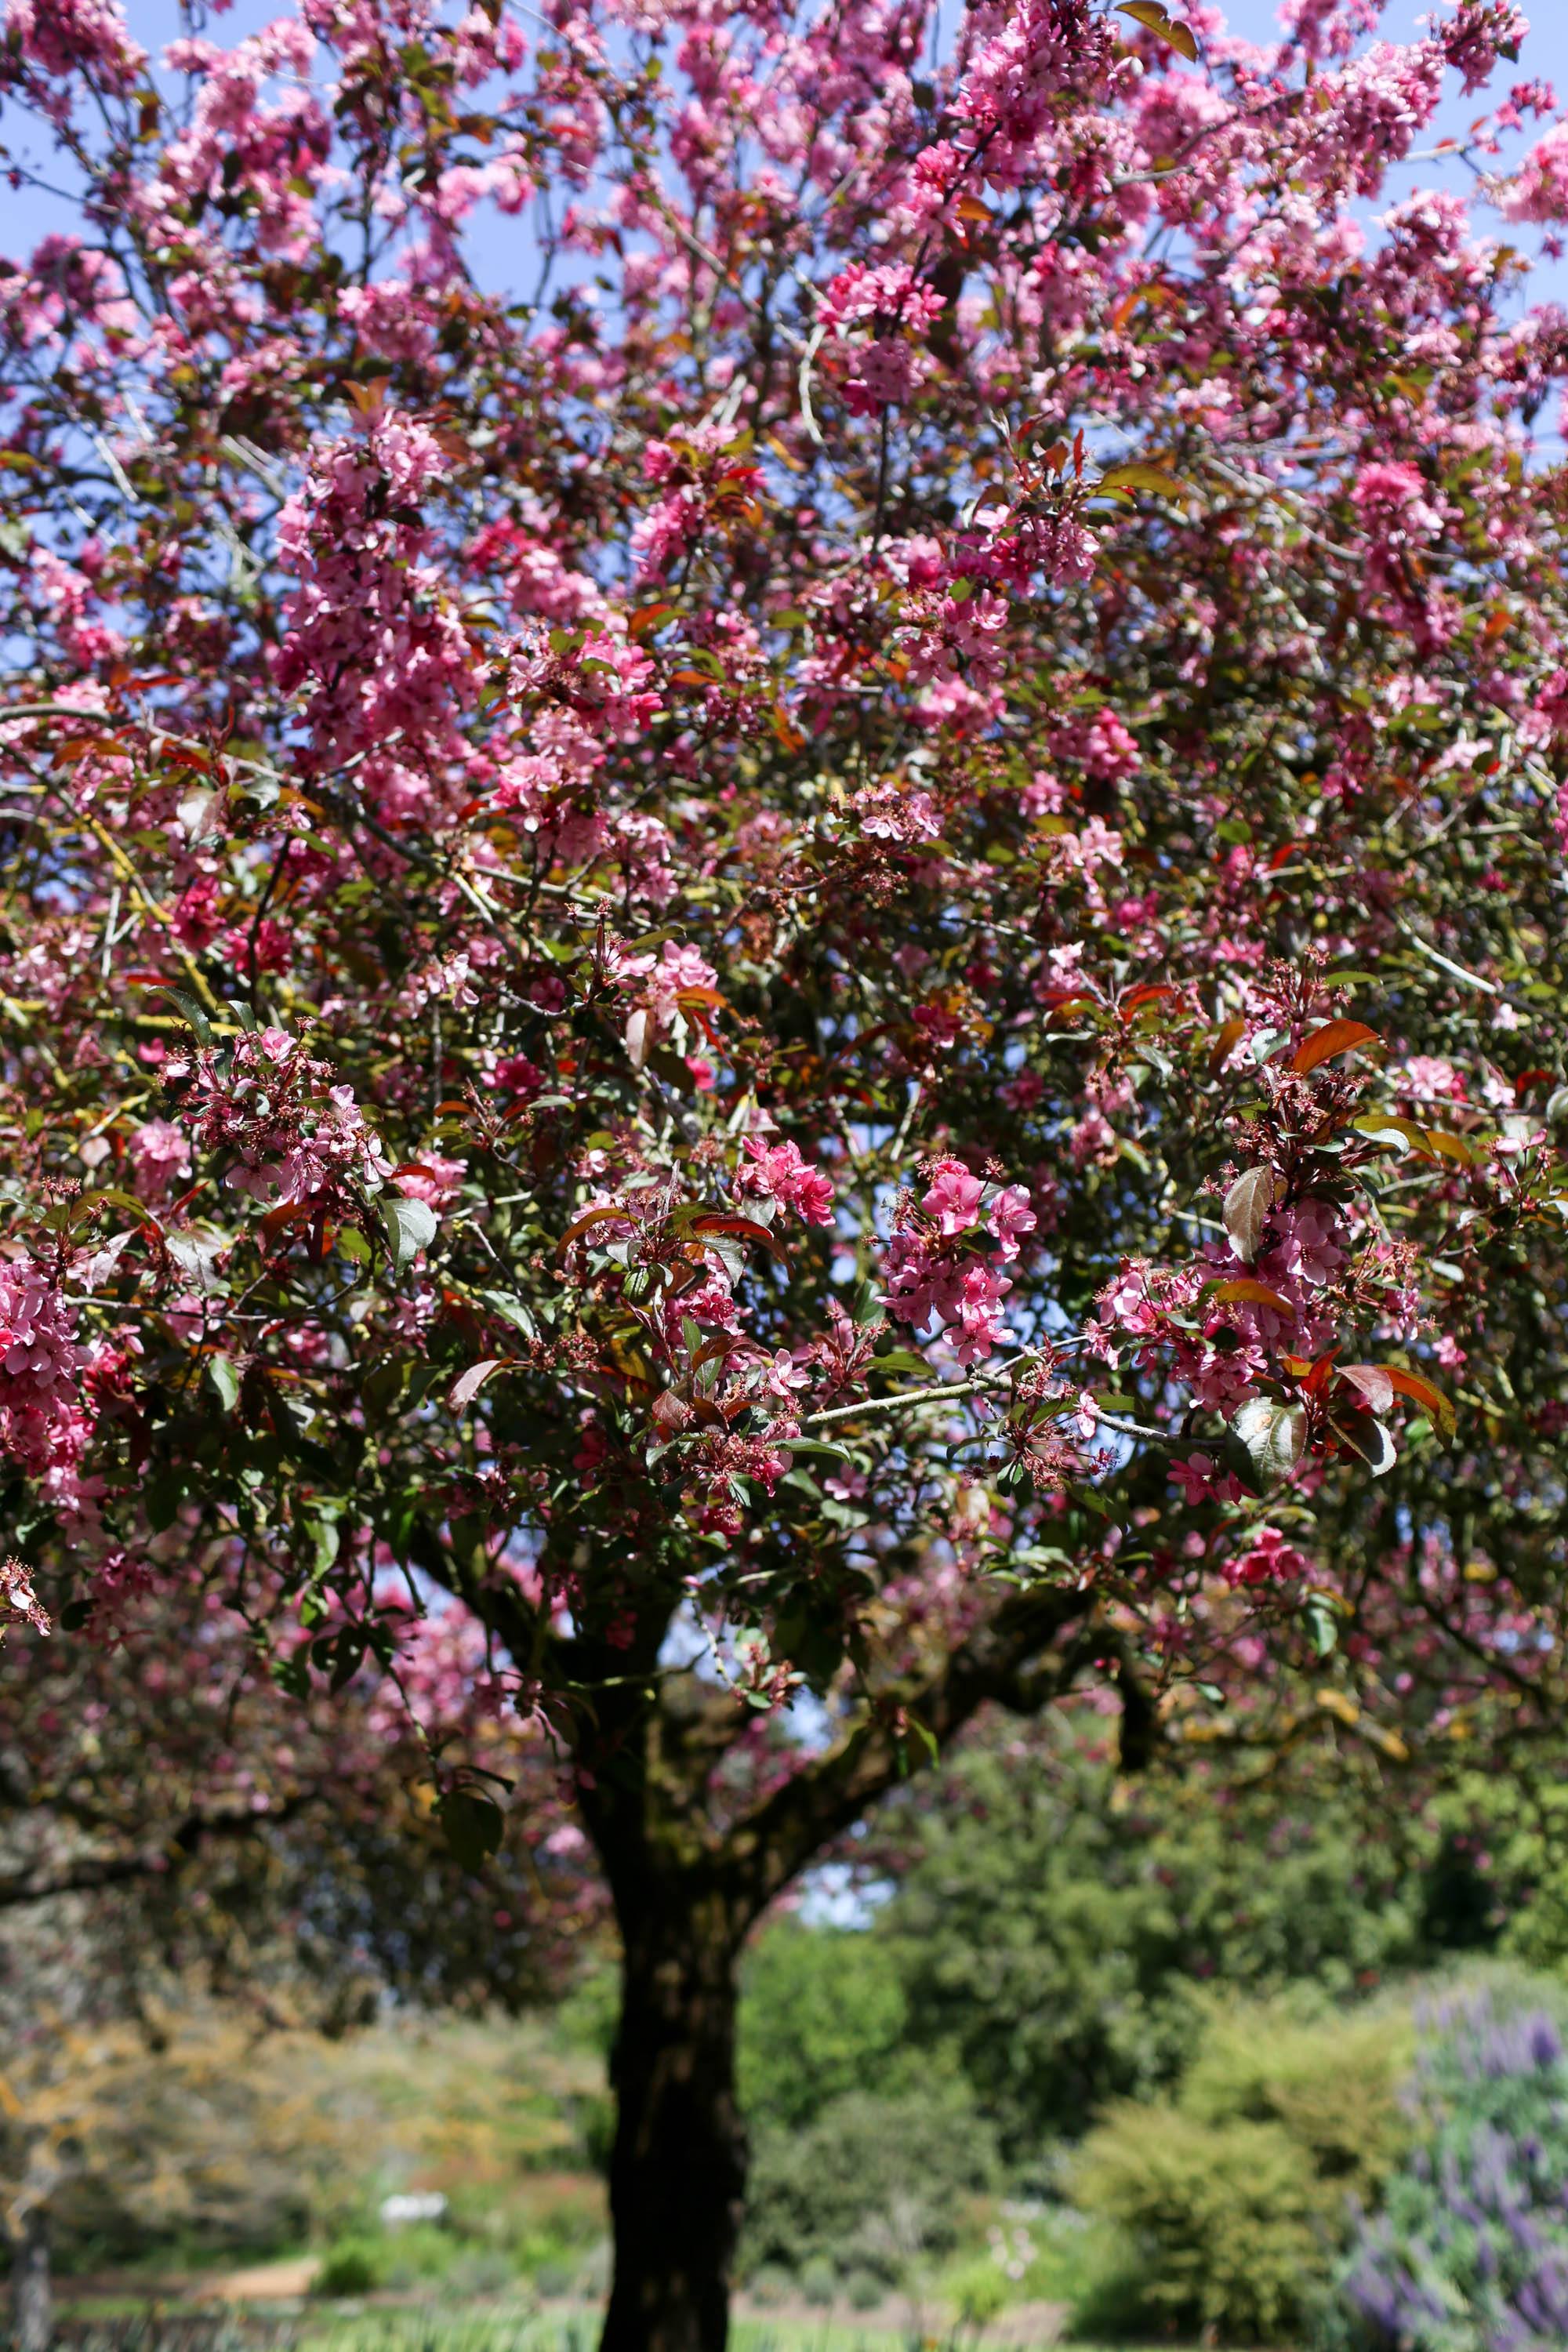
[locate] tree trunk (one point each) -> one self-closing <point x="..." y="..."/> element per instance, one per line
<point x="32" y="2297"/>
<point x="678" y="2172"/>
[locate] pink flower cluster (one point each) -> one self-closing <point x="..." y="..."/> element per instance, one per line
<point x="63" y="36"/>
<point x="1267" y="1559"/>
<point x="160" y="1159"/>
<point x="887" y="294"/>
<point x="1399" y="517"/>
<point x="692" y="468"/>
<point x="778" y="1172"/>
<point x="1478" y="34"/>
<point x="1219" y="1348"/>
<point x="888" y="812"/>
<point x="234" y="141"/>
<point x="41" y="1366"/>
<point x="676" y="973"/>
<point x="372" y="643"/>
<point x="1021" y="59"/>
<point x="286" y="1132"/>
<point x="934" y="1270"/>
<point x="1539" y="189"/>
<point x="901" y="310"/>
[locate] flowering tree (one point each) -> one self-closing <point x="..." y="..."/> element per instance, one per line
<point x="827" y="968"/>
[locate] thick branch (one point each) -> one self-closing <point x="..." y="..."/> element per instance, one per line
<point x="1003" y="1661"/>
<point x="90" y="1873"/>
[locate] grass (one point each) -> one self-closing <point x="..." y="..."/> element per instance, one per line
<point x="578" y="2332"/>
<point x="115" y="2325"/>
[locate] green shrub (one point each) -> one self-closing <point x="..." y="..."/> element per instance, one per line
<point x="479" y="2270"/>
<point x="1219" y="2220"/>
<point x="551" y="2253"/>
<point x="978" y="2292"/>
<point x="1058" y="1934"/>
<point x="1332" y="2084"/>
<point x="869" y="2184"/>
<point x="1230" y="2203"/>
<point x="772" y="2285"/>
<point x="351" y="2266"/>
<point x="594" y="2269"/>
<point x="819" y="2282"/>
<point x="822" y="2012"/>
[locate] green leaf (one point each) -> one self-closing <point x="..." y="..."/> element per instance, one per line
<point x="162" y="1499"/>
<point x="1153" y="478"/>
<point x="225" y="1381"/>
<point x="474" y="1827"/>
<point x="191" y="1011"/>
<point x="411" y="1226"/>
<point x="325" y="1538"/>
<point x="383" y="1387"/>
<point x="111" y="1199"/>
<point x="512" y="1311"/>
<point x="1322" y="1627"/>
<point x="349" y="1658"/>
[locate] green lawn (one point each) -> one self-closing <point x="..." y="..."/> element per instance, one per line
<point x="576" y="2332"/>
<point x="342" y="2328"/>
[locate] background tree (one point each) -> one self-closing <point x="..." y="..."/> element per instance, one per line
<point x="181" y="1839"/>
<point x="846" y="766"/>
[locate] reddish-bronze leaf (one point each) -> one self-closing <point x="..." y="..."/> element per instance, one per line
<point x="1333" y="1038"/>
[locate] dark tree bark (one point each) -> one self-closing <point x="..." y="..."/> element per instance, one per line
<point x="678" y="2172"/>
<point x="689" y="1878"/>
<point x="32" y="2289"/>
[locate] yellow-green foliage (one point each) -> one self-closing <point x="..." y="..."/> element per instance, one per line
<point x="1331" y="2083"/>
<point x="209" y="2136"/>
<point x="1220" y="2218"/>
<point x="1231" y="2200"/>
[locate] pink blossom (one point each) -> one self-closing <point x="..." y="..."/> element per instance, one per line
<point x="161" y="1156"/>
<point x="778" y="1172"/>
<point x="1309" y="1244"/>
<point x="890" y="291"/>
<point x="977" y="1313"/>
<point x="371" y="643"/>
<point x="1195" y="1476"/>
<point x="1267" y="1559"/>
<point x="1010" y="1217"/>
<point x="953" y="1197"/>
<point x="64" y="36"/>
<point x="433" y="1179"/>
<point x="1539" y="189"/>
<point x="38" y="1355"/>
<point x="1478" y="34"/>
